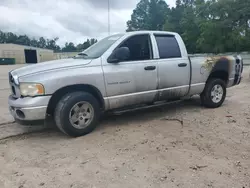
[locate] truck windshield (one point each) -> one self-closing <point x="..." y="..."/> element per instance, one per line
<point x="99" y="48"/>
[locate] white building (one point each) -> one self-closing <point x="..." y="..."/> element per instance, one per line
<point x="25" y="54"/>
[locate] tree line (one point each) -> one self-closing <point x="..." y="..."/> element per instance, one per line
<point x="9" y="37"/>
<point x="206" y="26"/>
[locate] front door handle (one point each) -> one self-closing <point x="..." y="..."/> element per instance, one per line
<point x="182" y="65"/>
<point x="150" y="68"/>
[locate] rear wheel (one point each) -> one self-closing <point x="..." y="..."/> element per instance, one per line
<point x="214" y="93"/>
<point x="77" y="113"/>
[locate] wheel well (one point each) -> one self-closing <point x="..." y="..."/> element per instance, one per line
<point x="79" y="87"/>
<point x="219" y="74"/>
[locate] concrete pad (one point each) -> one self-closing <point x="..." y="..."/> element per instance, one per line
<point x="4" y="108"/>
<point x="7" y="127"/>
<point x="14" y="129"/>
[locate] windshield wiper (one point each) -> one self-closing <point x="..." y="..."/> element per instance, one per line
<point x="82" y="54"/>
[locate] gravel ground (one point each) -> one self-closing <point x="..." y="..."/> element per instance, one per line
<point x="178" y="145"/>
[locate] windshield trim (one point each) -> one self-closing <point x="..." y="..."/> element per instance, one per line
<point x="99" y="53"/>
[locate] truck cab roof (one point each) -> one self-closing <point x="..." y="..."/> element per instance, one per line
<point x="150" y="32"/>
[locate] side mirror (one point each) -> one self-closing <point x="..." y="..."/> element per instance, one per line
<point x="119" y="54"/>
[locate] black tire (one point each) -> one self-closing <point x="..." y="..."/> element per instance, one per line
<point x="63" y="110"/>
<point x="206" y="95"/>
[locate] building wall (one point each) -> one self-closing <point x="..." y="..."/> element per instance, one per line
<point x="65" y="55"/>
<point x="17" y="52"/>
<point x="43" y="55"/>
<point x="12" y="51"/>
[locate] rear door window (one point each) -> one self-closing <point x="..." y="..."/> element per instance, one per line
<point x="168" y="46"/>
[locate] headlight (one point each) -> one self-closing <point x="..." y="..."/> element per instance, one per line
<point x="31" y="89"/>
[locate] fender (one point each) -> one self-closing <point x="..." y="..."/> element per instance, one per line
<point x="225" y="64"/>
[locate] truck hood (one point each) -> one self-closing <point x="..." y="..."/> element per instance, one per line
<point x="50" y="65"/>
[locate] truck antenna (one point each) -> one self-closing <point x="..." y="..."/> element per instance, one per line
<point x="108" y="17"/>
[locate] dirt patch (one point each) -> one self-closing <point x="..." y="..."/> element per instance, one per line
<point x="178" y="145"/>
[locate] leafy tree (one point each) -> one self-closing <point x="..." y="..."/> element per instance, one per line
<point x="182" y="19"/>
<point x="42" y="43"/>
<point x="34" y="42"/>
<point x="9" y="37"/>
<point x="93" y="41"/>
<point x="69" y="47"/>
<point x="86" y="44"/>
<point x="51" y="44"/>
<point x="173" y="19"/>
<point x="215" y="26"/>
<point x="148" y="15"/>
<point x="2" y="37"/>
<point x="23" y="39"/>
<point x="211" y="26"/>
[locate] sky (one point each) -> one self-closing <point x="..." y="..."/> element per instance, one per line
<point x="70" y="20"/>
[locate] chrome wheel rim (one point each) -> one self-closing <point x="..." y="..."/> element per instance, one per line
<point x="81" y="115"/>
<point x="217" y="93"/>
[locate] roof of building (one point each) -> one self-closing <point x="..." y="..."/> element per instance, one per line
<point x="25" y="46"/>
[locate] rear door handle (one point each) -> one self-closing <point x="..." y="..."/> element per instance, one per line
<point x="150" y="68"/>
<point x="182" y="65"/>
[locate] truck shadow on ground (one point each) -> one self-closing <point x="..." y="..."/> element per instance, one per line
<point x="129" y="118"/>
<point x="154" y="113"/>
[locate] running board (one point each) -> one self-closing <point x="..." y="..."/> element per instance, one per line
<point x="158" y="104"/>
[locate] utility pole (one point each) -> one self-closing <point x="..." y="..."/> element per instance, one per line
<point x="108" y="17"/>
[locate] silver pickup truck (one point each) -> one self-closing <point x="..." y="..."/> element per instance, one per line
<point x="120" y="72"/>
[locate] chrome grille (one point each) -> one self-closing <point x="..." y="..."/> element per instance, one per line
<point x="11" y="79"/>
<point x="13" y="86"/>
<point x="13" y="90"/>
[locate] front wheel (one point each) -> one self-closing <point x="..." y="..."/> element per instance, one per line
<point x="77" y="113"/>
<point x="214" y="93"/>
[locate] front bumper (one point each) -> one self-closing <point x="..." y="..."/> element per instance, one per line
<point x="29" y="108"/>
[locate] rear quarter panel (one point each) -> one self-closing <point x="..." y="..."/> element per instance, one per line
<point x="202" y="67"/>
